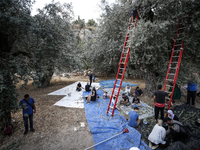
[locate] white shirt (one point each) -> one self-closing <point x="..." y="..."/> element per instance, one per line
<point x="128" y="90"/>
<point x="157" y="135"/>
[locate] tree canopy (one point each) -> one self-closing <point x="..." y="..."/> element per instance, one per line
<point x="32" y="47"/>
<point x="152" y="40"/>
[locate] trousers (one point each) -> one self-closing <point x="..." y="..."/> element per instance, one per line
<point x="30" y="117"/>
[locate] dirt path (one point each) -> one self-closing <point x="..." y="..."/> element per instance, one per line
<point x="55" y="125"/>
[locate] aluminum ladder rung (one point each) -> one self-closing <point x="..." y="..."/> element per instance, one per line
<point x="109" y="112"/>
<point x="172" y="74"/>
<point x="178" y="45"/>
<point x="177" y="50"/>
<point x="173" y="68"/>
<point x="121" y="68"/>
<point x="170" y="80"/>
<point x="175" y="56"/>
<point x="120" y="74"/>
<point x="174" y="62"/>
<point x="179" y="39"/>
<point x="169" y="86"/>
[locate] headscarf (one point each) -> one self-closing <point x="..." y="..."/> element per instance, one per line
<point x="171" y="113"/>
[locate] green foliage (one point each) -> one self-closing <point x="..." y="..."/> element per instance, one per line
<point x="91" y="22"/>
<point x="152" y="41"/>
<point x="32" y="47"/>
<point x="80" y="22"/>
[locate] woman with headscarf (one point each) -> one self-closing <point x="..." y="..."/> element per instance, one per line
<point x="172" y="116"/>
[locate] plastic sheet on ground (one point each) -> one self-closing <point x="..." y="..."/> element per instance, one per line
<point x="103" y="127"/>
<point x="145" y="110"/>
<point x="73" y="98"/>
<point x="110" y="84"/>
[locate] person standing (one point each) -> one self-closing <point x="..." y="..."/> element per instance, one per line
<point x="90" y="78"/>
<point x="159" y="100"/>
<point x="192" y="90"/>
<point x="28" y="105"/>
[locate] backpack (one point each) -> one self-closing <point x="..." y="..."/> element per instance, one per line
<point x="8" y="130"/>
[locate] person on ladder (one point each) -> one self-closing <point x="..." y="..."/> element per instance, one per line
<point x="133" y="12"/>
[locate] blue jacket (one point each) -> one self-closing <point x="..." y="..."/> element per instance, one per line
<point x="192" y="86"/>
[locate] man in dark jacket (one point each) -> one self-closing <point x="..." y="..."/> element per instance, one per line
<point x="175" y="128"/>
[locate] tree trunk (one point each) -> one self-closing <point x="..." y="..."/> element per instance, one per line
<point x="45" y="80"/>
<point x="150" y="81"/>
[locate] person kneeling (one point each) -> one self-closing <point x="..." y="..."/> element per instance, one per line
<point x="79" y="87"/>
<point x="175" y="128"/>
<point x="134" y="120"/>
<point x="93" y="96"/>
<point x="124" y="100"/>
<point x="157" y="136"/>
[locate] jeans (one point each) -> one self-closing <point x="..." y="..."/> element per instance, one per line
<point x="26" y="122"/>
<point x="189" y="95"/>
<point x="157" y="109"/>
<point x="90" y="82"/>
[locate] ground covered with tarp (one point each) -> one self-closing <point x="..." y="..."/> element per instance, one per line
<point x="110" y="84"/>
<point x="187" y="115"/>
<point x="103" y="127"/>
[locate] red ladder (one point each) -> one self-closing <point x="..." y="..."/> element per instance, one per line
<point x="174" y="64"/>
<point x="122" y="64"/>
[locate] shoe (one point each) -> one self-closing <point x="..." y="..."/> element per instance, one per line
<point x="154" y="147"/>
<point x="25" y="132"/>
<point x="32" y="130"/>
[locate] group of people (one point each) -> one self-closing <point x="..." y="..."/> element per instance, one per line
<point x="174" y="127"/>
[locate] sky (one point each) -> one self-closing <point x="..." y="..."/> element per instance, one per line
<point x="86" y="9"/>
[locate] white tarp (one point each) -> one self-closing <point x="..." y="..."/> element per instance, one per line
<point x="73" y="98"/>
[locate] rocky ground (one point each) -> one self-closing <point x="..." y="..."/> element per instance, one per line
<point x="56" y="127"/>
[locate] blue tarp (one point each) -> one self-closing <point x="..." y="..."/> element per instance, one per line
<point x="110" y="84"/>
<point x="103" y="127"/>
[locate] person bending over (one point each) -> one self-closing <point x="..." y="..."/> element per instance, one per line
<point x="172" y="116"/>
<point x="87" y="87"/>
<point x="157" y="136"/>
<point x="175" y="128"/>
<point x="124" y="100"/>
<point x="134" y="120"/>
<point x="93" y="96"/>
<point x="136" y="101"/>
<point x="79" y="87"/>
